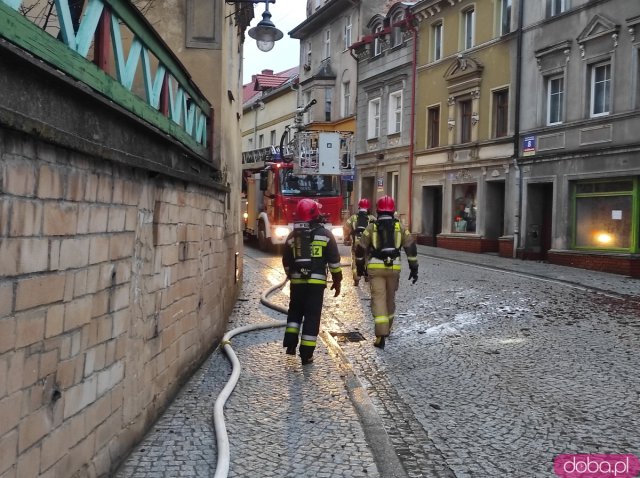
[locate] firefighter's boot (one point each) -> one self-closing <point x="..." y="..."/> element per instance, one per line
<point x="379" y="342"/>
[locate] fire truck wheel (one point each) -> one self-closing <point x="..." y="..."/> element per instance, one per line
<point x="263" y="240"/>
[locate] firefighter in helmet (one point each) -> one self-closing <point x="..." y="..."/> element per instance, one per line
<point x="308" y="251"/>
<point x="381" y="242"/>
<point x="353" y="228"/>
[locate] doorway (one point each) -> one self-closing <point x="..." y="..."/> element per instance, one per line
<point x="494" y="212"/>
<point x="539" y="220"/>
<point x="431" y="215"/>
<point x="367" y="190"/>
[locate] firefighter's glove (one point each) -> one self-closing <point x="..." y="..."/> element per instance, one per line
<point x="336" y="286"/>
<point x="413" y="266"/>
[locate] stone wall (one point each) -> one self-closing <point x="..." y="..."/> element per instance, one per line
<point x="115" y="283"/>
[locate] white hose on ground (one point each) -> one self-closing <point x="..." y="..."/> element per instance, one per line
<point x="222" y="465"/>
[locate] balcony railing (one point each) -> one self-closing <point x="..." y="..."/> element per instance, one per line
<point x="112" y="48"/>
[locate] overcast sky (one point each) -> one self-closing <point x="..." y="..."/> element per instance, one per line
<point x="286" y="15"/>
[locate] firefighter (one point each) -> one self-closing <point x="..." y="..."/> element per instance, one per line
<point x="381" y="242"/>
<point x="308" y="251"/>
<point x="353" y="228"/>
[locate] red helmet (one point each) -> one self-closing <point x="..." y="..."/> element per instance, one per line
<point x="364" y="204"/>
<point x="386" y="204"/>
<point x="307" y="210"/>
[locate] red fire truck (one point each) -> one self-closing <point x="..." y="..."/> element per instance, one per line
<point x="314" y="169"/>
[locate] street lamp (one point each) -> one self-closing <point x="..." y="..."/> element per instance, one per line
<point x="265" y="32"/>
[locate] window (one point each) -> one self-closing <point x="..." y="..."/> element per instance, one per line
<point x="433" y="127"/>
<point x="308" y="61"/>
<point x="393" y="180"/>
<point x="469" y="21"/>
<point x="348" y="26"/>
<point x="261" y="141"/>
<point x="600" y="89"/>
<point x="555" y="99"/>
<point x="465" y="121"/>
<point x="328" y="95"/>
<point x="306" y="100"/>
<point x="346" y="98"/>
<point x="327" y="44"/>
<point x="396" y="35"/>
<point x="437" y="41"/>
<point x="373" y="123"/>
<point x="505" y="17"/>
<point x="556" y="7"/>
<point x="604" y="214"/>
<point x="377" y="43"/>
<point x="464" y="208"/>
<point x="501" y="113"/>
<point x="273" y="137"/>
<point x="250" y="144"/>
<point x="395" y="112"/>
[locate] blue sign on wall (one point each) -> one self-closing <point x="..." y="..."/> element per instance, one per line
<point x="528" y="146"/>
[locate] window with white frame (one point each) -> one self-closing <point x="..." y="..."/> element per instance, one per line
<point x="308" y="55"/>
<point x="327" y="44"/>
<point x="348" y="27"/>
<point x="306" y="100"/>
<point x="373" y="119"/>
<point x="600" y="89"/>
<point x="468" y="28"/>
<point x="396" y="35"/>
<point x="555" y="99"/>
<point x="346" y="98"/>
<point x="261" y="141"/>
<point x="328" y="96"/>
<point x="505" y="16"/>
<point x="273" y="137"/>
<point x="556" y="7"/>
<point x="395" y="112"/>
<point x="437" y="41"/>
<point x="377" y="43"/>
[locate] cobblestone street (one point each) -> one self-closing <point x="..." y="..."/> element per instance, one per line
<point x="487" y="373"/>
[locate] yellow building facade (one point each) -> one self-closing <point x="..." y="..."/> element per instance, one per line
<point x="463" y="178"/>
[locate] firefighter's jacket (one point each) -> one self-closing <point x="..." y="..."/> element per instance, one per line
<point x="352" y="223"/>
<point x="402" y="238"/>
<point x="324" y="253"/>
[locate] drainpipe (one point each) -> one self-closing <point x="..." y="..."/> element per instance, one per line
<point x="516" y="133"/>
<point x="413" y="112"/>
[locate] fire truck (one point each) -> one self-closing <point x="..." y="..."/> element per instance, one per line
<point x="312" y="166"/>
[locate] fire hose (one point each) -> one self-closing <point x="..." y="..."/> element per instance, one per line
<point x="222" y="465"/>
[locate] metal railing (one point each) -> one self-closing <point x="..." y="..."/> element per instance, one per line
<point x="129" y="63"/>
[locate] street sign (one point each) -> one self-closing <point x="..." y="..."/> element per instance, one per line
<point x="529" y="146"/>
<point x="380" y="184"/>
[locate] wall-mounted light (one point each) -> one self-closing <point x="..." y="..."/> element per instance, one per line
<point x="265" y="32"/>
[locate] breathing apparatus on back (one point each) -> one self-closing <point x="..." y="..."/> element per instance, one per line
<point x="308" y="218"/>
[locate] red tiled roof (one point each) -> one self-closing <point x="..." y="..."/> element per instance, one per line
<point x="265" y="80"/>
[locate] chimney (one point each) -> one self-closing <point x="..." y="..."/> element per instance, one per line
<point x="267" y="72"/>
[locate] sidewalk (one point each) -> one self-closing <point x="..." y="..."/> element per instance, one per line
<point x="601" y="281"/>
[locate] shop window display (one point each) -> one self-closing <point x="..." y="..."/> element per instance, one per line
<point x="464" y="207"/>
<point x="604" y="215"/>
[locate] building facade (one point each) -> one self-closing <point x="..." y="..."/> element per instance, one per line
<point x="463" y="176"/>
<point x="580" y="150"/>
<point x="384" y="131"/>
<point x="328" y="73"/>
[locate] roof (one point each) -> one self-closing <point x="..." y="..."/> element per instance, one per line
<point x="266" y="80"/>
